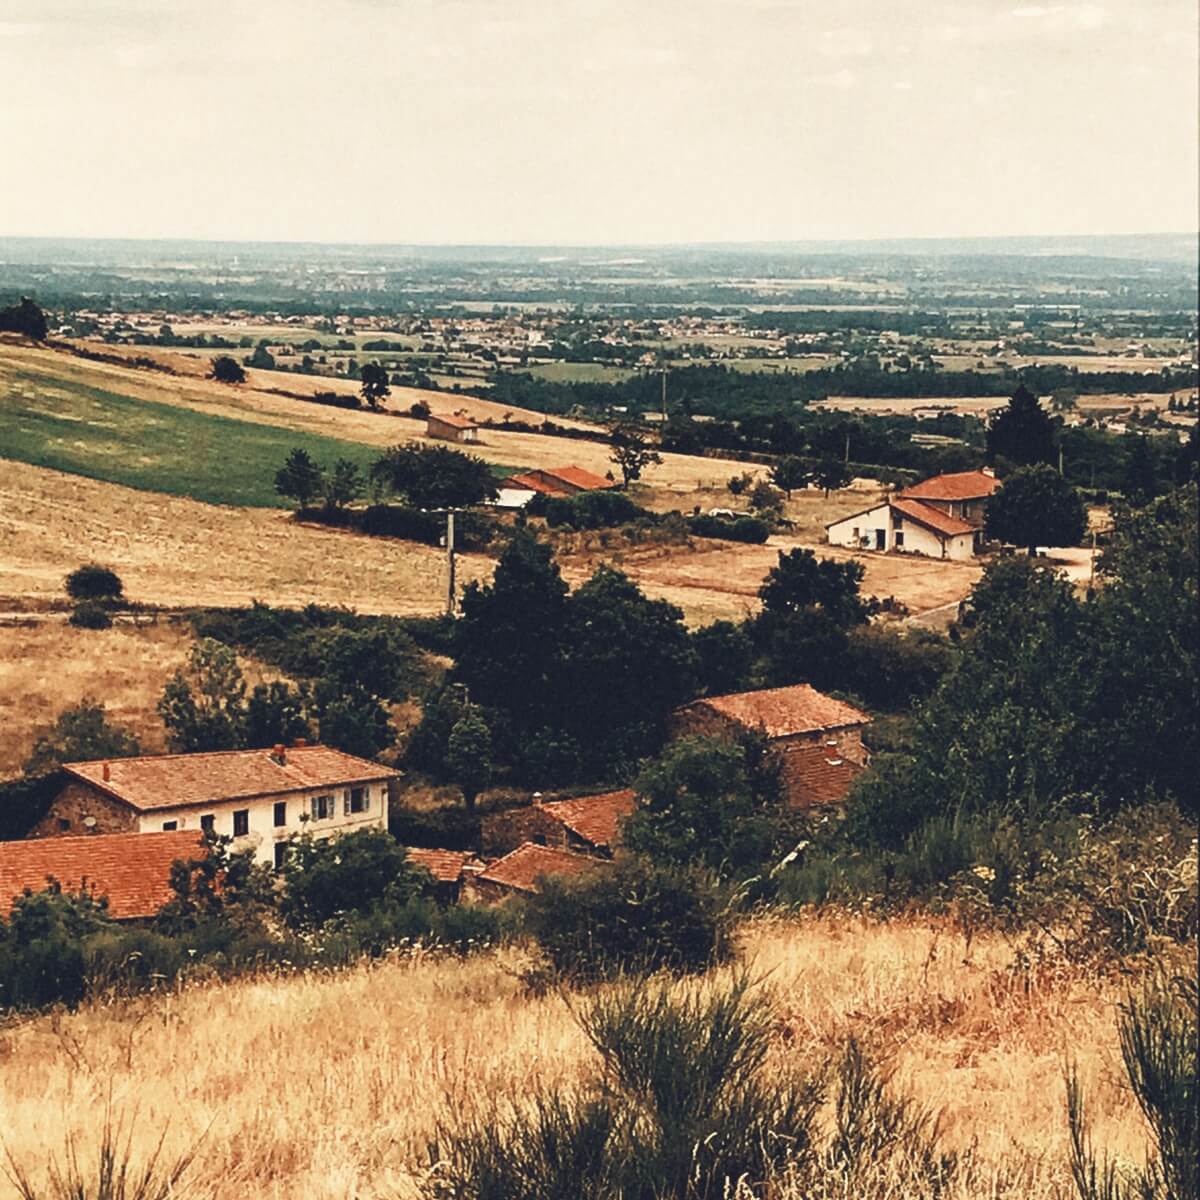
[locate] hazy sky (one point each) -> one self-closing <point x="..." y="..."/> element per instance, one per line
<point x="597" y="120"/>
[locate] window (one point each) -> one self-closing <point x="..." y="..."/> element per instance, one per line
<point x="358" y="800"/>
<point x="899" y="538"/>
<point x="207" y="822"/>
<point x="64" y="824"/>
<point x="322" y="808"/>
<point x="241" y="822"/>
<point x="169" y="825"/>
<point x="280" y="813"/>
<point x="281" y="853"/>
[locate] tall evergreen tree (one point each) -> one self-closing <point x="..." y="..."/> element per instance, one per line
<point x="1022" y="434"/>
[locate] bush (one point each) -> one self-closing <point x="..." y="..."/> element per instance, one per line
<point x="737" y="529"/>
<point x="685" y="1108"/>
<point x="90" y="614"/>
<point x="632" y="917"/>
<point x="589" y="510"/>
<point x="94" y="582"/>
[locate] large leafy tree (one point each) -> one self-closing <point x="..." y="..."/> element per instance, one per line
<point x="800" y="580"/>
<point x="25" y="318"/>
<point x="1036" y="507"/>
<point x="227" y="370"/>
<point x="300" y="478"/>
<point x="1023" y="433"/>
<point x="80" y="733"/>
<point x="435" y="476"/>
<point x="791" y="473"/>
<point x="202" y="707"/>
<point x="631" y="452"/>
<point x="375" y="387"/>
<point x="469" y="754"/>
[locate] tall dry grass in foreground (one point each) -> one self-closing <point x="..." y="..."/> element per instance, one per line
<point x="329" y="1086"/>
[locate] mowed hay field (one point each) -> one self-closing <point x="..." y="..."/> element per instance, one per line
<point x="51" y="666"/>
<point x="180" y="553"/>
<point x="330" y="1085"/>
<point x="35" y="367"/>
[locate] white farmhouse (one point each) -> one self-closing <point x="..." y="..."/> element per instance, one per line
<point x="259" y="798"/>
<point x="907" y="527"/>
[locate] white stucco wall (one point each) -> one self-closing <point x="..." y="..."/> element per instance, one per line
<point x="916" y="540"/>
<point x="862" y="525"/>
<point x="264" y="833"/>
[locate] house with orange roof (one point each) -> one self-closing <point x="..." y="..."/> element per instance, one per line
<point x="587" y="824"/>
<point x="940" y="518"/>
<point x="449" y="869"/>
<point x="130" y="871"/>
<point x="521" y="872"/>
<point x="517" y="490"/>
<point x="817" y="738"/>
<point x="259" y="798"/>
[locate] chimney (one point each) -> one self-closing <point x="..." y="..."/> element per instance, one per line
<point x="537" y="799"/>
<point x="299" y="743"/>
<point x="279" y="754"/>
<point x="106" y="771"/>
<point x="989" y="471"/>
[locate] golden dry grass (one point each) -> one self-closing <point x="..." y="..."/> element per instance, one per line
<point x="328" y="1086"/>
<point x="180" y="553"/>
<point x="52" y="666"/>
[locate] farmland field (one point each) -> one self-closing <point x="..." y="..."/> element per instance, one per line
<point x="181" y="553"/>
<point x="51" y="421"/>
<point x="968" y="1026"/>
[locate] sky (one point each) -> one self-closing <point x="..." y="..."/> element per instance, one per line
<point x="597" y="121"/>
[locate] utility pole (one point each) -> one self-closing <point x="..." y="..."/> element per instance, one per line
<point x="450" y="562"/>
<point x="664" y="395"/>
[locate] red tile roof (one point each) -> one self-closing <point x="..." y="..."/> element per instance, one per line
<point x="819" y="775"/>
<point x="578" y="477"/>
<point x="596" y="819"/>
<point x="533" y="484"/>
<point x="446" y="866"/>
<point x="784" y="711"/>
<point x="934" y="518"/>
<point x="529" y="862"/>
<point x="166" y="781"/>
<point x="453" y="420"/>
<point x="962" y="485"/>
<point x="131" y="869"/>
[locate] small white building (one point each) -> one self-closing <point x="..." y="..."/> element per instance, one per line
<point x="259" y="798"/>
<point x="907" y="527"/>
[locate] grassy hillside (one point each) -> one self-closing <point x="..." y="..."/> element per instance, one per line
<point x="53" y="421"/>
<point x="967" y="1025"/>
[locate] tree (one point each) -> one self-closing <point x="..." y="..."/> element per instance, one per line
<point x="435" y="476"/>
<point x="725" y="656"/>
<point x="275" y="715"/>
<point x="262" y="359"/>
<point x="341" y="485"/>
<point x="374" y="384"/>
<point x="712" y="802"/>
<point x="1036" y="507"/>
<point x="1140" y="475"/>
<point x="790" y="473"/>
<point x="353" y="721"/>
<point x="300" y="478"/>
<point x="94" y="582"/>
<point x="1022" y="434"/>
<point x="801" y="580"/>
<point x="469" y="755"/>
<point x="203" y="707"/>
<point x="227" y="370"/>
<point x="80" y="734"/>
<point x="24" y="318"/>
<point x="354" y="873"/>
<point x="630" y="451"/>
<point x="831" y="474"/>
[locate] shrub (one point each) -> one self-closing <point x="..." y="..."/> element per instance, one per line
<point x="737" y="529"/>
<point x="94" y="582"/>
<point x="632" y="917"/>
<point x="90" y="614"/>
<point x="589" y="510"/>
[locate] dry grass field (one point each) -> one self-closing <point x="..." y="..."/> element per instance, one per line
<point x="51" y="666"/>
<point x="177" y="553"/>
<point x="329" y="1085"/>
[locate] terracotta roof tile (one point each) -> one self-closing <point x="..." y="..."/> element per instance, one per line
<point x="165" y="781"/>
<point x="131" y="869"/>
<point x="962" y="485"/>
<point x="453" y="420"/>
<point x="784" y="711"/>
<point x="596" y="819"/>
<point x="446" y="866"/>
<point x="819" y="775"/>
<point x="534" y="484"/>
<point x="926" y="514"/>
<point x="529" y="862"/>
<point x="578" y="477"/>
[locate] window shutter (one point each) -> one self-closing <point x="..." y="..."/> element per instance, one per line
<point x="346" y="803"/>
<point x="366" y="799"/>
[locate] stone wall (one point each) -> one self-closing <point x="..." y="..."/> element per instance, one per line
<point x="502" y="832"/>
<point x="78" y="800"/>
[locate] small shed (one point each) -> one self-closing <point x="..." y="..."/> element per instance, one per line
<point x="451" y="427"/>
